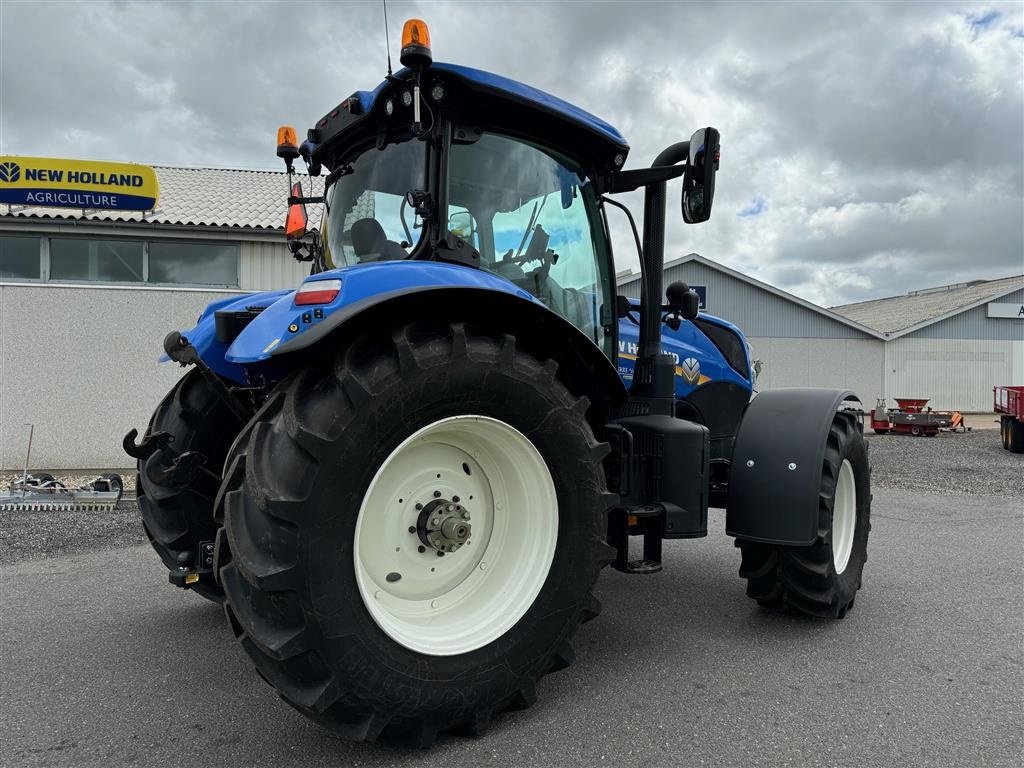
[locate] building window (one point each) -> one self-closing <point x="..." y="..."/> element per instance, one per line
<point x="103" y="261"/>
<point x="153" y="262"/>
<point x="193" y="263"/>
<point x="19" y="258"/>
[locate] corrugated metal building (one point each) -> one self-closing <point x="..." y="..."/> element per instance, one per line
<point x="951" y="344"/>
<point x="86" y="298"/>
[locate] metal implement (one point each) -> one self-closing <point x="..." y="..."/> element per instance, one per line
<point x="913" y="417"/>
<point x="42" y="492"/>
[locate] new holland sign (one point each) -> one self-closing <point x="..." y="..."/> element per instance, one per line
<point x="1015" y="311"/>
<point x="77" y="184"/>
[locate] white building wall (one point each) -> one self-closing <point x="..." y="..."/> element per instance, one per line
<point x="953" y="373"/>
<point x="81" y="364"/>
<point x="268" y="265"/>
<point x="854" y="364"/>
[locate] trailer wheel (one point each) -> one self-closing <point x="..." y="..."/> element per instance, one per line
<point x="109" y="482"/>
<point x="881" y="431"/>
<point x="915" y="430"/>
<point x="176" y="520"/>
<point x="1015" y="436"/>
<point x="821" y="579"/>
<point x="1004" y="432"/>
<point x="414" y="533"/>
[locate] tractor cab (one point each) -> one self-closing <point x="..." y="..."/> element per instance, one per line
<point x="446" y="163"/>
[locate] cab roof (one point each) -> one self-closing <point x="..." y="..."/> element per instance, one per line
<point x="510" y="104"/>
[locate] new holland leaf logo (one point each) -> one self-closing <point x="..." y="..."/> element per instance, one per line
<point x="10" y="172"/>
<point x="691" y="369"/>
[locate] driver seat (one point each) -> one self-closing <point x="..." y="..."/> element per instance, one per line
<point x="370" y="243"/>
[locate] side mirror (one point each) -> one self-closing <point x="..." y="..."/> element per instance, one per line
<point x="699" y="178"/>
<point x="461" y="224"/>
<point x="682" y="301"/>
<point x="296" y="221"/>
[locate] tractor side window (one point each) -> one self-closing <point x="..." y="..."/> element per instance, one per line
<point x="532" y="215"/>
<point x="369" y="219"/>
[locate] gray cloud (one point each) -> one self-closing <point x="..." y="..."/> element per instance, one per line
<point x="872" y="148"/>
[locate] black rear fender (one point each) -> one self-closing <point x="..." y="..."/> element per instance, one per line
<point x="582" y="366"/>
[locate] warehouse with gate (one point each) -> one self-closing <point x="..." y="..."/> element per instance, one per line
<point x="950" y="344"/>
<point x="86" y="298"/>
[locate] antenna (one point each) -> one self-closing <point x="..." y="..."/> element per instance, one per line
<point x="387" y="42"/>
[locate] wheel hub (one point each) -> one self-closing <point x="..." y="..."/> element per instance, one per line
<point x="443" y="524"/>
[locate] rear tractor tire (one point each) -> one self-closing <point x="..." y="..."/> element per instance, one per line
<point x="821" y="579"/>
<point x="414" y="532"/>
<point x="177" y="520"/>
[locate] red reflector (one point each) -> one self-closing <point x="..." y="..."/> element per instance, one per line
<point x="317" y="292"/>
<point x="296" y="221"/>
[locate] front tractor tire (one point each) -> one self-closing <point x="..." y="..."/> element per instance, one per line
<point x="821" y="579"/>
<point x="177" y="519"/>
<point x="414" y="530"/>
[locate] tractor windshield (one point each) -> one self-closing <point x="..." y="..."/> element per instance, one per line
<point x="368" y="218"/>
<point x="533" y="217"/>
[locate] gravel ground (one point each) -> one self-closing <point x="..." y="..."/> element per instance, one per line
<point x="29" y="535"/>
<point x="950" y="463"/>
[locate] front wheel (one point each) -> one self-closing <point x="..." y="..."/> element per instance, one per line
<point x="821" y="579"/>
<point x="414" y="533"/>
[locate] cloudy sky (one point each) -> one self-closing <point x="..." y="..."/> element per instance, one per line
<point x="867" y="148"/>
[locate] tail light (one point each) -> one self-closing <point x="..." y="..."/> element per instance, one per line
<point x="317" y="292"/>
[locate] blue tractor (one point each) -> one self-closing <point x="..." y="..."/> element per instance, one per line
<point x="403" y="478"/>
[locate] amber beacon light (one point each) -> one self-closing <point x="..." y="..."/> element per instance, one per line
<point x="287" y="143"/>
<point x="415" y="51"/>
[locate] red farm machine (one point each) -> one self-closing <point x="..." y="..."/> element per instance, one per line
<point x="1008" y="402"/>
<point x="912" y="416"/>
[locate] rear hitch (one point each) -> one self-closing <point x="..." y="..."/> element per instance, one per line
<point x="165" y="467"/>
<point x="194" y="567"/>
<point x="181" y="351"/>
<point x="148" y="446"/>
<point x="180" y="472"/>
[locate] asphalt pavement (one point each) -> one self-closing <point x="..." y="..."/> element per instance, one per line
<point x="105" y="664"/>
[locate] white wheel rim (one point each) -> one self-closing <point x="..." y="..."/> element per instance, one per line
<point x="844" y="517"/>
<point x="463" y="600"/>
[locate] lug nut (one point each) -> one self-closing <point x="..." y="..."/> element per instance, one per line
<point x="437" y="494"/>
<point x="440" y="553"/>
<point x="412" y="529"/>
<point x="418" y="505"/>
<point x="421" y="549"/>
<point x="455" y="499"/>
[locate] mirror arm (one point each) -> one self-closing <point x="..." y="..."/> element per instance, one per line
<point x="628" y="181"/>
<point x="292" y="200"/>
<point x="653" y="261"/>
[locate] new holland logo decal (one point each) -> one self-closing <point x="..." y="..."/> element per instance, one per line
<point x="690" y="370"/>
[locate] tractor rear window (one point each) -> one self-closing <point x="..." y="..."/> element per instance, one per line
<point x="532" y="217"/>
<point x="368" y="217"/>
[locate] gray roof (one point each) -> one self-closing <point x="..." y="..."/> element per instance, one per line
<point x="217" y="197"/>
<point x="898" y="314"/>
